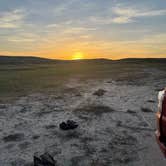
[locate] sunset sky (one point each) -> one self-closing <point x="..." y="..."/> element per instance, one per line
<point x="76" y="29"/>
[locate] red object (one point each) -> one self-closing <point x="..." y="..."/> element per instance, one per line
<point x="161" y="126"/>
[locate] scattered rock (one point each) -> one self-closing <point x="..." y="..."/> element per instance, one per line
<point x="150" y="101"/>
<point x="48" y="159"/>
<point x="99" y="92"/>
<point x="146" y="109"/>
<point x="70" y="124"/>
<point x="24" y="109"/>
<point x="130" y="111"/>
<point x="44" y="160"/>
<point x="36" y="137"/>
<point x="3" y="106"/>
<point x="13" y="137"/>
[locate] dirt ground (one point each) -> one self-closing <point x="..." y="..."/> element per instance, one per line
<point x="116" y="124"/>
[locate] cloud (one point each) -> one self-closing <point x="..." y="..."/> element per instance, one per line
<point x="61" y="8"/>
<point x="78" y="30"/>
<point x="100" y="20"/>
<point x="19" y="39"/>
<point x="123" y="15"/>
<point x="52" y="25"/>
<point x="24" y="37"/>
<point x="59" y="25"/>
<point x="11" y="19"/>
<point x="121" y="20"/>
<point x="127" y="15"/>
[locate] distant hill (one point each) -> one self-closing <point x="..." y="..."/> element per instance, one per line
<point x="142" y="60"/>
<point x="25" y="60"/>
<point x="37" y="60"/>
<point x="98" y="60"/>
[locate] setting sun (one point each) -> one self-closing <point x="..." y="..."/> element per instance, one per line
<point x="77" y="56"/>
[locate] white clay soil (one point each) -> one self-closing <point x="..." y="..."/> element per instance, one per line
<point x="116" y="124"/>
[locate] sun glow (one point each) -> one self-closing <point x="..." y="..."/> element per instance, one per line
<point x="77" y="56"/>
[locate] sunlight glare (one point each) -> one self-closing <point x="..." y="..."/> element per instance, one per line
<point x="77" y="56"/>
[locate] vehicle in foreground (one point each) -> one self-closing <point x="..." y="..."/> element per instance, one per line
<point x="161" y="121"/>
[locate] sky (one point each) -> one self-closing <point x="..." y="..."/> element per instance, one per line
<point x="76" y="29"/>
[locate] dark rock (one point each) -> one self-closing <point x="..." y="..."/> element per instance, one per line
<point x="48" y="160"/>
<point x="13" y="137"/>
<point x="130" y="111"/>
<point x="146" y="109"/>
<point x="150" y="101"/>
<point x="63" y="126"/>
<point x="70" y="124"/>
<point x="44" y="160"/>
<point x="36" y="137"/>
<point x="99" y="92"/>
<point x="23" y="110"/>
<point x="3" y="106"/>
<point x="37" y="160"/>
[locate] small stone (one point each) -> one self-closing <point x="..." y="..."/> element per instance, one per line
<point x="146" y="109"/>
<point x="99" y="92"/>
<point x="43" y="160"/>
<point x="37" y="160"/>
<point x="13" y="137"/>
<point x="70" y="124"/>
<point x="36" y="137"/>
<point x="3" y="106"/>
<point x="48" y="159"/>
<point x="130" y="111"/>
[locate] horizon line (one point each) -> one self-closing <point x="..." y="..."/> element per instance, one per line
<point x="35" y="56"/>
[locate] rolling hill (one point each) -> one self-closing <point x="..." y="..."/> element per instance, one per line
<point x="38" y="60"/>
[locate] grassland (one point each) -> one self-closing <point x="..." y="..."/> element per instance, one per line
<point x="21" y="79"/>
